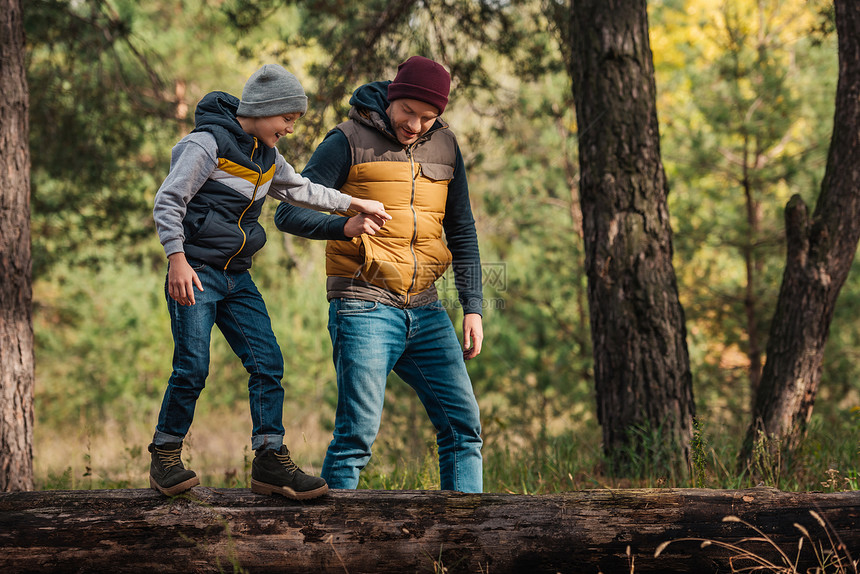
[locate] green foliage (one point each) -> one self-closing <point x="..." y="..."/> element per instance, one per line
<point x="408" y="474"/>
<point x="767" y="459"/>
<point x="746" y="112"/>
<point x="109" y="100"/>
<point x="535" y="371"/>
<point x="648" y="454"/>
<point x="96" y="109"/>
<point x="572" y="460"/>
<point x="85" y="343"/>
<point x="841" y="366"/>
<point x="109" y="355"/>
<point x="698" y="455"/>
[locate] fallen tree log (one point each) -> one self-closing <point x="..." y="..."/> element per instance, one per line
<point x="222" y="530"/>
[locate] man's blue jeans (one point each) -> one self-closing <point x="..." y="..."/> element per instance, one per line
<point x="231" y="301"/>
<point x="369" y="341"/>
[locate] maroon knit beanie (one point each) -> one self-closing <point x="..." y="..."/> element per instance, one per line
<point x="421" y="79"/>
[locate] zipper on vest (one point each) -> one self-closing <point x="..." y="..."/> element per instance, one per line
<point x="253" y="197"/>
<point x="414" y="223"/>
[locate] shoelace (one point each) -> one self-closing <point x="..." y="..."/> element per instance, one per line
<point x="169" y="458"/>
<point x="286" y="461"/>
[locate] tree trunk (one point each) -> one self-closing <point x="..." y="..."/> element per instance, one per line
<point x="820" y="252"/>
<point x="409" y="531"/>
<point x="641" y="363"/>
<point x="16" y="325"/>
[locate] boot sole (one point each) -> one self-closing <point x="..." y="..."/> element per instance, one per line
<point x="176" y="488"/>
<point x="268" y="489"/>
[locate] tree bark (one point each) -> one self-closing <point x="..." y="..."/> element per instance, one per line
<point x="820" y="251"/>
<point x="409" y="531"/>
<point x="642" y="366"/>
<point x="16" y="326"/>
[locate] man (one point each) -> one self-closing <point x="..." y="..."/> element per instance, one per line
<point x="384" y="310"/>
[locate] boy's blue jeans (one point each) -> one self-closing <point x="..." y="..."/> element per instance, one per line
<point x="232" y="302"/>
<point x="369" y="341"/>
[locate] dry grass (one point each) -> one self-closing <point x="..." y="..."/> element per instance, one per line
<point x="115" y="456"/>
<point x="829" y="553"/>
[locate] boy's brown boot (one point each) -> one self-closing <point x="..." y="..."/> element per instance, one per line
<point x="274" y="472"/>
<point x="166" y="473"/>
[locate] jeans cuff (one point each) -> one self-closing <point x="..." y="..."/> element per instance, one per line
<point x="162" y="438"/>
<point x="271" y="441"/>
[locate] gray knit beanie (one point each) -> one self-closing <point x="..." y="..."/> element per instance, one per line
<point x="272" y="91"/>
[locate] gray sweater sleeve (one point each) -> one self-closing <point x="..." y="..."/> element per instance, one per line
<point x="291" y="187"/>
<point x="192" y="161"/>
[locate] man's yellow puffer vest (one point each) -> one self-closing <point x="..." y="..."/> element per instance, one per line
<point x="408" y="254"/>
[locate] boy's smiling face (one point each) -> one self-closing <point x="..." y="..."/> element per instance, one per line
<point x="270" y="129"/>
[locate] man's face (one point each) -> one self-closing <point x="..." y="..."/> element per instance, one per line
<point x="411" y="119"/>
<point x="270" y="129"/>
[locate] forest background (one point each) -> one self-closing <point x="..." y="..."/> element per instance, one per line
<point x="745" y="101"/>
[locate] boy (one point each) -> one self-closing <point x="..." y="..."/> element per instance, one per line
<point x="206" y="215"/>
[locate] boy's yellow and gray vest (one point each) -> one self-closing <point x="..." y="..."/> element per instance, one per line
<point x="408" y="254"/>
<point x="221" y="221"/>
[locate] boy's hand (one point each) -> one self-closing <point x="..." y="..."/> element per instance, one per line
<point x="181" y="279"/>
<point x="370" y="207"/>
<point x="362" y="223"/>
<point x="473" y="335"/>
